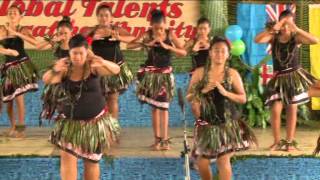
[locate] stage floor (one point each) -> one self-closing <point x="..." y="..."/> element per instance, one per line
<point x="135" y="141"/>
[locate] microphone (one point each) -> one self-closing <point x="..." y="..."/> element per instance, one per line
<point x="186" y="149"/>
<point x="181" y="99"/>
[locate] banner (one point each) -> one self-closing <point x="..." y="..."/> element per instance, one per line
<point x="314" y="28"/>
<point x="42" y="16"/>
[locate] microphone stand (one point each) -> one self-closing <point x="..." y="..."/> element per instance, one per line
<point x="186" y="148"/>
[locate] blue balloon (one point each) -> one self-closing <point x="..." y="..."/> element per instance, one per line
<point x="234" y="32"/>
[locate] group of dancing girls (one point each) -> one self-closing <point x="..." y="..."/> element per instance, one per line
<point x="215" y="88"/>
<point x="83" y="86"/>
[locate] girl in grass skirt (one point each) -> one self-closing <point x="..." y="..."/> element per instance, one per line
<point x="7" y="52"/>
<point x="18" y="73"/>
<point x="84" y="128"/>
<point x="53" y="93"/>
<point x="155" y="85"/>
<point x="199" y="49"/>
<point x="218" y="132"/>
<point x="290" y="85"/>
<point x="105" y="41"/>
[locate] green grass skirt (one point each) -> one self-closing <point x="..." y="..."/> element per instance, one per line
<point x="118" y="83"/>
<point x="212" y="141"/>
<point x="17" y="78"/>
<point x="156" y="89"/>
<point x="87" y="139"/>
<point x="52" y="96"/>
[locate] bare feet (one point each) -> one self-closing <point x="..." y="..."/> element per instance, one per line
<point x="275" y="147"/>
<point x="10" y="132"/>
<point x="21" y="134"/>
<point x="156" y="146"/>
<point x="20" y="131"/>
<point x="284" y="145"/>
<point x="291" y="146"/>
<point x="165" y="145"/>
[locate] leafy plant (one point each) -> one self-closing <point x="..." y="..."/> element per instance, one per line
<point x="303" y="113"/>
<point x="254" y="111"/>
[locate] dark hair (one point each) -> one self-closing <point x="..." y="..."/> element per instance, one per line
<point x="78" y="41"/>
<point x="17" y="7"/>
<point x="219" y="39"/>
<point x="65" y="22"/>
<point x="157" y="16"/>
<point x="103" y="6"/>
<point x="203" y="20"/>
<point x="286" y="13"/>
<point x="205" y="79"/>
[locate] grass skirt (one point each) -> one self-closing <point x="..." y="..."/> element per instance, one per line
<point x="86" y="139"/>
<point x="17" y="78"/>
<point x="290" y="86"/>
<point x="51" y="97"/>
<point x="118" y="83"/>
<point x="155" y="86"/>
<point x="212" y="141"/>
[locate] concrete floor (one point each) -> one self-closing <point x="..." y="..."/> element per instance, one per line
<point x="135" y="141"/>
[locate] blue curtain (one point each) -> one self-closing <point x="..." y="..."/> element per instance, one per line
<point x="252" y="19"/>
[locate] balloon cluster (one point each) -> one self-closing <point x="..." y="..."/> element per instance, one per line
<point x="234" y="34"/>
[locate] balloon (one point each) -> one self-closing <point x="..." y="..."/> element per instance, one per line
<point x="234" y="32"/>
<point x="238" y="48"/>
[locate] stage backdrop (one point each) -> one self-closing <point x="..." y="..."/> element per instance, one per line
<point x="252" y="17"/>
<point x="314" y="27"/>
<point x="42" y="16"/>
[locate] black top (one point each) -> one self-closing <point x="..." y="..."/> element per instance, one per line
<point x="91" y="101"/>
<point x="199" y="59"/>
<point x="61" y="53"/>
<point x="157" y="55"/>
<point x="216" y="108"/>
<point x="107" y="49"/>
<point x="14" y="43"/>
<point x="285" y="55"/>
<point x="219" y="102"/>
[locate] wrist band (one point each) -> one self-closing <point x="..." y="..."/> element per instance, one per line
<point x="48" y="39"/>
